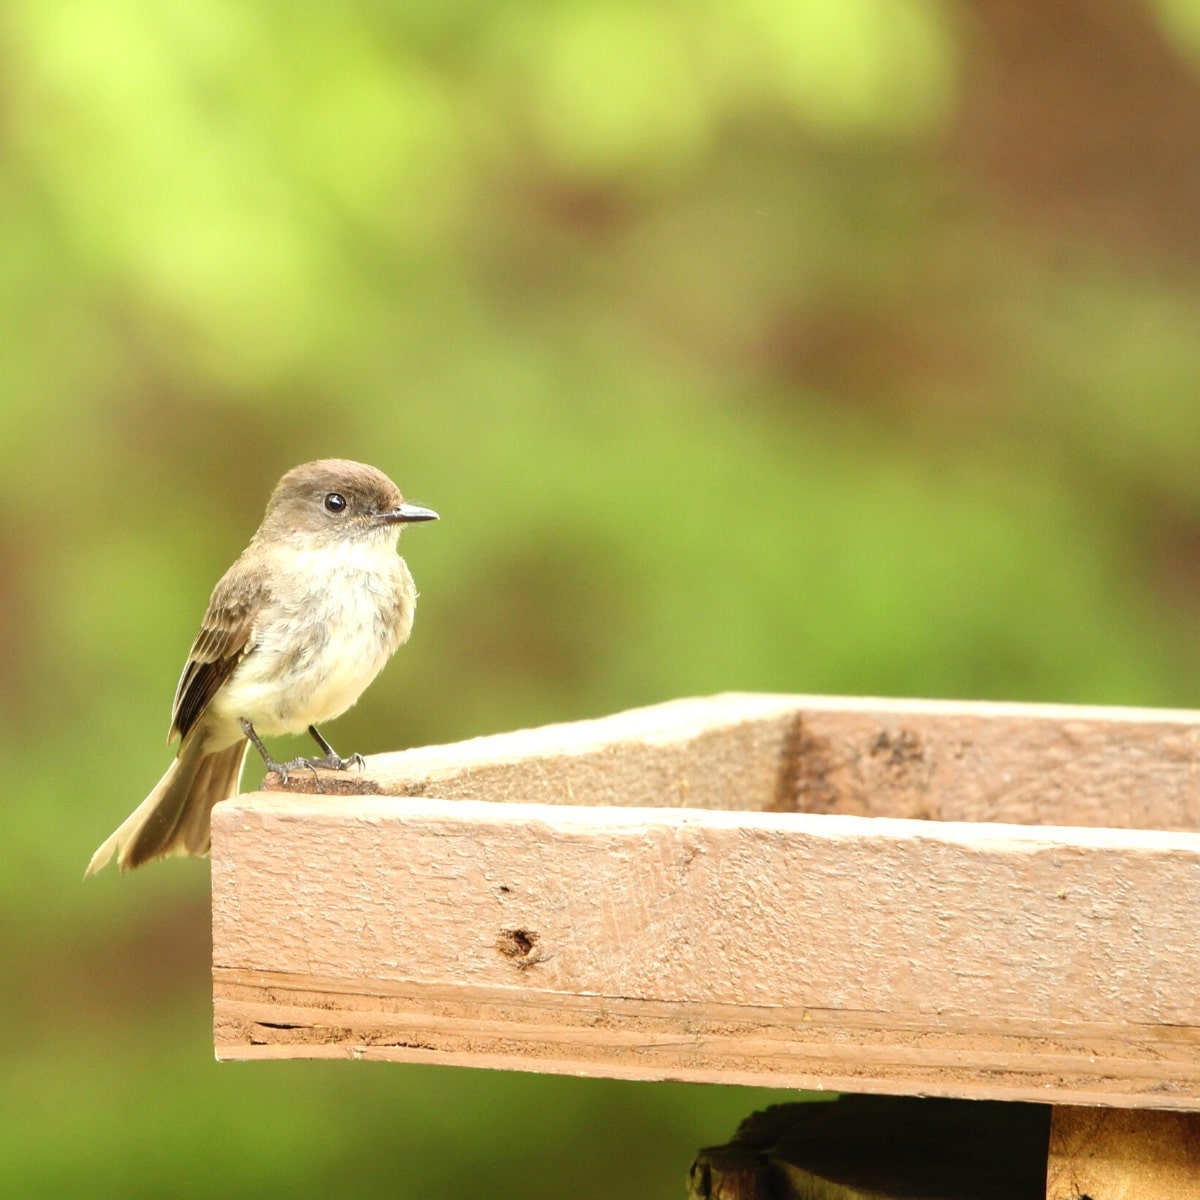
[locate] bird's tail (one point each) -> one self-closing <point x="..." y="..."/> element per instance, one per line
<point x="176" y="817"/>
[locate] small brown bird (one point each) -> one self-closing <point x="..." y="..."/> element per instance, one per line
<point x="295" y="631"/>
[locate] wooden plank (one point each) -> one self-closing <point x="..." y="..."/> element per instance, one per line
<point x="1028" y="764"/>
<point x="787" y="949"/>
<point x="1111" y="1154"/>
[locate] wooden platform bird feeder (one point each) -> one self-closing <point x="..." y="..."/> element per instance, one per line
<point x="980" y="901"/>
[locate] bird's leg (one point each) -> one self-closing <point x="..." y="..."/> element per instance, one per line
<point x="332" y="759"/>
<point x="280" y="769"/>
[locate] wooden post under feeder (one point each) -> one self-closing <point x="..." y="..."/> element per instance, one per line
<point x="923" y="898"/>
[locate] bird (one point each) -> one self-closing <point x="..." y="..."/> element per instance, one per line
<point x="294" y="633"/>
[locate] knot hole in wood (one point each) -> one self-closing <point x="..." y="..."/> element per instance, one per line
<point x="519" y="945"/>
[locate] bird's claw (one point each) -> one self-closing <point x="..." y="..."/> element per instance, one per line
<point x="335" y="762"/>
<point x="331" y="762"/>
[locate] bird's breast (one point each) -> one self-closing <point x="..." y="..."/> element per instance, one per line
<point x="333" y="621"/>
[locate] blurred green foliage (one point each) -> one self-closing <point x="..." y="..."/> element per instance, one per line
<point x="754" y="345"/>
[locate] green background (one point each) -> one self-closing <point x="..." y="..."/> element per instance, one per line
<point x="839" y="346"/>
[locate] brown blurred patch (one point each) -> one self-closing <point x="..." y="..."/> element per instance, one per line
<point x="106" y="972"/>
<point x="20" y="653"/>
<point x="536" y="610"/>
<point x="1084" y="117"/>
<point x="1170" y="544"/>
<point x="857" y="352"/>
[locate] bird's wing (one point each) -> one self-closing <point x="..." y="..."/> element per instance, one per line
<point x="226" y="636"/>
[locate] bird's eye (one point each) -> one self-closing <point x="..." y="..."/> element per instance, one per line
<point x="335" y="502"/>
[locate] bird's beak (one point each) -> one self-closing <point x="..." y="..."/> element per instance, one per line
<point x="406" y="512"/>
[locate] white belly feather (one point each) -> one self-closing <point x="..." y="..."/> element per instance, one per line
<point x="314" y="654"/>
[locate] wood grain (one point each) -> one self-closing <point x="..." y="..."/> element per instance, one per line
<point x="780" y="948"/>
<point x="1029" y="764"/>
<point x="1107" y="1154"/>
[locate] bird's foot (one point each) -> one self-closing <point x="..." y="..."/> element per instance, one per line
<point x="335" y="762"/>
<point x="283" y="770"/>
<point x="332" y="761"/>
